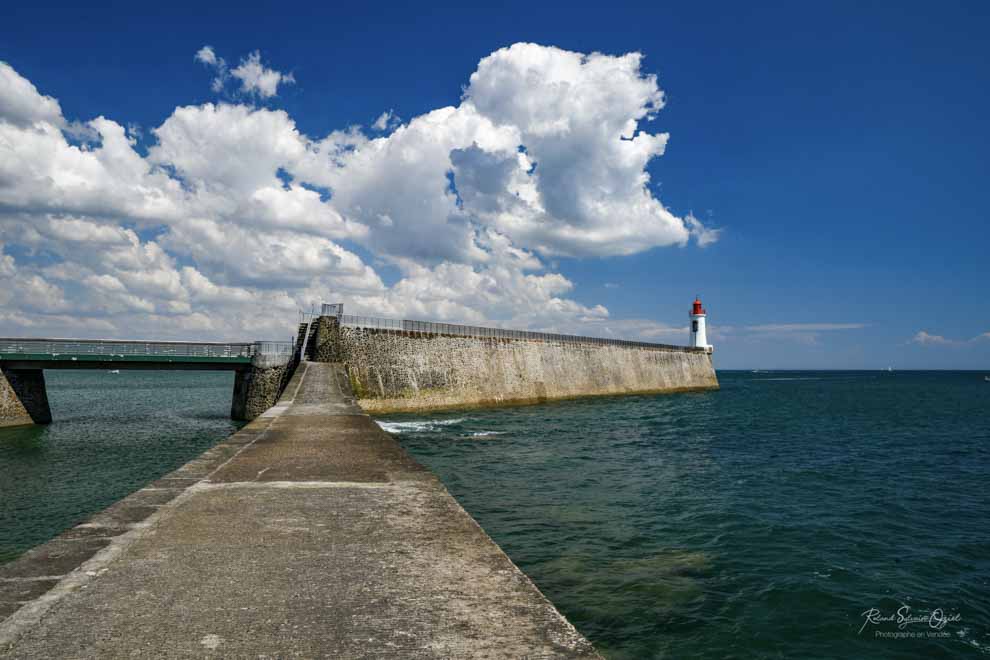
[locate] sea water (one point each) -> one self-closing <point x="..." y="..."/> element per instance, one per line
<point x="112" y="434"/>
<point x="787" y="515"/>
<point x="764" y="520"/>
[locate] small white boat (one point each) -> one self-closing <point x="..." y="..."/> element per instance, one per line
<point x="986" y="379"/>
<point x="114" y="371"/>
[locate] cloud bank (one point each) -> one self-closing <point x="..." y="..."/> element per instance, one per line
<point x="231" y="219"/>
<point x="923" y="338"/>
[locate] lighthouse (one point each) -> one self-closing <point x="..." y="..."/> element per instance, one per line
<point x="699" y="339"/>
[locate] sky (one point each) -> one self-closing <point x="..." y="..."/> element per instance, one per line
<point x="817" y="174"/>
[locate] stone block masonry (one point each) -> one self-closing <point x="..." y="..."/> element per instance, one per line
<point x="258" y="388"/>
<point x="326" y="341"/>
<point x="23" y="398"/>
<point x="401" y="371"/>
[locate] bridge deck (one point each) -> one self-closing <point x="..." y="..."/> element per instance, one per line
<point x="40" y="361"/>
<point x="310" y="533"/>
<point x="36" y="353"/>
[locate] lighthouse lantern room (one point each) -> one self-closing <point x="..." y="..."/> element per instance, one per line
<point x="699" y="338"/>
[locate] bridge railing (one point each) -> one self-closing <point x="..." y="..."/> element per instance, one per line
<point x="125" y="348"/>
<point x="273" y="348"/>
<point x="430" y="327"/>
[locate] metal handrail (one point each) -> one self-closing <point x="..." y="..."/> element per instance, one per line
<point x="123" y="348"/>
<point x="429" y="327"/>
<point x="128" y="341"/>
<point x="306" y="336"/>
<point x="274" y="347"/>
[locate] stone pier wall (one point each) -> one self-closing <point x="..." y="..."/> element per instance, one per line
<point x="395" y="371"/>
<point x="326" y="341"/>
<point x="23" y="398"/>
<point x="257" y="389"/>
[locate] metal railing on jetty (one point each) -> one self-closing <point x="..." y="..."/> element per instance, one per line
<point x="429" y="327"/>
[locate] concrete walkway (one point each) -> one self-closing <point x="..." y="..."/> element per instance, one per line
<point x="313" y="534"/>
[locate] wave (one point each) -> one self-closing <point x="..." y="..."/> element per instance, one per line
<point x="417" y="427"/>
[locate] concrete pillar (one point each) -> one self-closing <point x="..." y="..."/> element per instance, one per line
<point x="23" y="398"/>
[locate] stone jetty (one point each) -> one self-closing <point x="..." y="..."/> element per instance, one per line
<point x="309" y="533"/>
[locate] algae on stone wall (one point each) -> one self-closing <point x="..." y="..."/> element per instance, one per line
<point x="393" y="370"/>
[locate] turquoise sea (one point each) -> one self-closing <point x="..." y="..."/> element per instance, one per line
<point x="763" y="520"/>
<point x="758" y="521"/>
<point x="111" y="435"/>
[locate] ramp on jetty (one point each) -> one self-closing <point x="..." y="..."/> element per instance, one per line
<point x="309" y="533"/>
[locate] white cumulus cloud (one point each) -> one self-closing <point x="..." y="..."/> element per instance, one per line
<point x="231" y="219"/>
<point x="258" y="79"/>
<point x="385" y="120"/>
<point x="255" y="78"/>
<point x="924" y="338"/>
<point x="206" y="55"/>
<point x="21" y="103"/>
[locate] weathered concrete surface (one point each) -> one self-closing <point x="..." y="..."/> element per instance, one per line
<point x="395" y="371"/>
<point x="318" y="537"/>
<point x="23" y="398"/>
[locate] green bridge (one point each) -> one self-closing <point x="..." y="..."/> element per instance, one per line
<point x="134" y="354"/>
<point x="261" y="369"/>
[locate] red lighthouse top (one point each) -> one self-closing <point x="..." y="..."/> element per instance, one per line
<point x="697" y="309"/>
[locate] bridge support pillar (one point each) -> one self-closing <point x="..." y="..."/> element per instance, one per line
<point x="23" y="397"/>
<point x="239" y="401"/>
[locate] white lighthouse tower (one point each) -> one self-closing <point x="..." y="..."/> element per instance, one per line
<point x="699" y="339"/>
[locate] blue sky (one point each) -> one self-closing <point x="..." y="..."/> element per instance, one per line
<point x="840" y="149"/>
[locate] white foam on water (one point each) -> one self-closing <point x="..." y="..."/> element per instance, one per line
<point x="417" y="427"/>
<point x="485" y="434"/>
